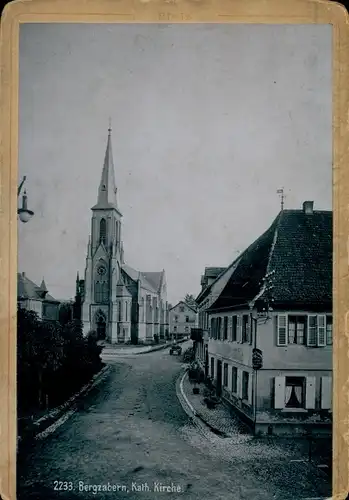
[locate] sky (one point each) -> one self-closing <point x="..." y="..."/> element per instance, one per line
<point x="208" y="122"/>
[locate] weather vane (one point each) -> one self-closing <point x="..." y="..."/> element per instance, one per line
<point x="282" y="197"/>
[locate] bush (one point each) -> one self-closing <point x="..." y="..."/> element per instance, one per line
<point x="188" y="355"/>
<point x="54" y="360"/>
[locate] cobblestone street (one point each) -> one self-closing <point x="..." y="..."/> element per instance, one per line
<point x="132" y="431"/>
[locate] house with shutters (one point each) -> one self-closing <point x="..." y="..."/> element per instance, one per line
<point x="270" y="329"/>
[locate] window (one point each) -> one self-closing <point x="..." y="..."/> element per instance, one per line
<point x="310" y="330"/>
<point x="187" y="329"/>
<point x="329" y="339"/>
<point x="212" y="368"/>
<point x="187" y="319"/>
<point x="234" y="328"/>
<point x="234" y="380"/>
<point x="102" y="231"/>
<point x="181" y="309"/>
<point x="174" y="328"/>
<point x="219" y="328"/>
<point x="176" y="319"/>
<point x="212" y="328"/>
<point x="225" y="328"/>
<point x="245" y="329"/>
<point x="245" y="376"/>
<point x="295" y="392"/>
<point x="296" y="329"/>
<point x="101" y="292"/>
<point x="225" y="374"/>
<point x="126" y="311"/>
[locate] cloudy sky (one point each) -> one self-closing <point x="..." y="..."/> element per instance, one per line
<point x="208" y="122"/>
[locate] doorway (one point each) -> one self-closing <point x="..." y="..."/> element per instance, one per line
<point x="101" y="326"/>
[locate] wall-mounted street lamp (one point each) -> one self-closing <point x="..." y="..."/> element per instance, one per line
<point x="24" y="213"/>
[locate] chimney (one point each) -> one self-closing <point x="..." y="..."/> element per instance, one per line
<point x="23" y="274"/>
<point x="308" y="207"/>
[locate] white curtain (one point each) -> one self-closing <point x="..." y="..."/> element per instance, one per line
<point x="288" y="392"/>
<point x="298" y="393"/>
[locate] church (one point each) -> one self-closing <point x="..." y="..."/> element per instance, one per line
<point x="121" y="304"/>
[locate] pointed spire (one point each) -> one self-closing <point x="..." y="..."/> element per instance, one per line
<point x="43" y="286"/>
<point x="107" y="187"/>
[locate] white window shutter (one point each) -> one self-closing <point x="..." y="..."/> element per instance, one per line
<point x="230" y="328"/>
<point x="279" y="393"/>
<point x="326" y="393"/>
<point x="229" y="378"/>
<point x="239" y="329"/>
<point x="282" y="328"/>
<point x="312" y="330"/>
<point x="248" y="330"/>
<point x="239" y="384"/>
<point x="250" y="385"/>
<point x="310" y="393"/>
<point x="321" y="330"/>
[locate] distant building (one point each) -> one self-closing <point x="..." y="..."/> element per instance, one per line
<point x="119" y="302"/>
<point x="182" y="318"/>
<point x="270" y="327"/>
<point x="36" y="298"/>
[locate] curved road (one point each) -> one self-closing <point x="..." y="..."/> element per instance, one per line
<point x="130" y="435"/>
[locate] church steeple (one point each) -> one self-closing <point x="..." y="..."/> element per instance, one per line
<point x="107" y="188"/>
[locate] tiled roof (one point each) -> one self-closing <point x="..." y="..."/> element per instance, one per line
<point x="27" y="289"/>
<point x="297" y="250"/>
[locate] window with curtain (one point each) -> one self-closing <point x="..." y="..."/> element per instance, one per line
<point x="296" y="329"/>
<point x="103" y="231"/>
<point x="295" y="392"/>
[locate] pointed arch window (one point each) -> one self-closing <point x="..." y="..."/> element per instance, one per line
<point x="103" y="231"/>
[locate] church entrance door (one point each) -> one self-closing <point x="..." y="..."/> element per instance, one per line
<point x="101" y="326"/>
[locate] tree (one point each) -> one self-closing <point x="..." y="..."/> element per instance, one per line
<point x="190" y="300"/>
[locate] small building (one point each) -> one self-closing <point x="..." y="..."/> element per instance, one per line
<point x="183" y="318"/>
<point x="36" y="298"/>
<point x="270" y="328"/>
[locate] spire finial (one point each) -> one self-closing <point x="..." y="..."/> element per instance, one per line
<point x="109" y="129"/>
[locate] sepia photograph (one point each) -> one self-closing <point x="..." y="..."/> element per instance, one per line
<point x="175" y="255"/>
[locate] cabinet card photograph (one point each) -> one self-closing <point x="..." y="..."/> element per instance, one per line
<point x="175" y="315"/>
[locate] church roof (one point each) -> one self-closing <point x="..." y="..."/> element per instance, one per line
<point x="150" y="283"/>
<point x="27" y="289"/>
<point x="107" y="187"/>
<point x="154" y="278"/>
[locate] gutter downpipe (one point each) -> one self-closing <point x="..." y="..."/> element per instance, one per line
<point x="255" y="371"/>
